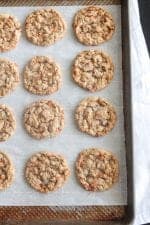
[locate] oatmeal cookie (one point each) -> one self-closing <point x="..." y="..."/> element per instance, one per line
<point x="44" y="27"/>
<point x="93" y="25"/>
<point x="6" y="171"/>
<point x="7" y="122"/>
<point x="9" y="76"/>
<point x="42" y="76"/>
<point x="93" y="70"/>
<point x="95" y="116"/>
<point x="97" y="169"/>
<point x="44" y="118"/>
<point x="46" y="171"/>
<point x="10" y="32"/>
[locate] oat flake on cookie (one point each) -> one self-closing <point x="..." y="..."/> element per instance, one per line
<point x="93" y="25"/>
<point x="44" y="27"/>
<point x="42" y="76"/>
<point x="97" y="169"/>
<point x="93" y="70"/>
<point x="46" y="171"/>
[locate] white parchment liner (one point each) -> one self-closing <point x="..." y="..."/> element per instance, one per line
<point x="71" y="141"/>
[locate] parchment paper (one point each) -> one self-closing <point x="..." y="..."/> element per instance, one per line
<point x="71" y="141"/>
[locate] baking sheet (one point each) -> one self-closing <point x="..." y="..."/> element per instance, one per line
<point x="71" y="141"/>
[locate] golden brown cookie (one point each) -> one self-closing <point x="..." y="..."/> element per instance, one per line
<point x="9" y="76"/>
<point x="10" y="32"/>
<point x="6" y="171"/>
<point x="7" y="122"/>
<point x="93" y="70"/>
<point x="42" y="76"/>
<point x="93" y="25"/>
<point x="46" y="171"/>
<point x="44" y="27"/>
<point x="95" y="116"/>
<point x="43" y="119"/>
<point x="97" y="169"/>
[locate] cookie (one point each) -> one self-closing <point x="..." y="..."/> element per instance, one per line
<point x="7" y="122"/>
<point x="97" y="169"/>
<point x="9" y="76"/>
<point x="93" y="70"/>
<point x="6" y="171"/>
<point x="95" y="116"/>
<point x="42" y="76"/>
<point x="93" y="25"/>
<point x="44" y="27"/>
<point x="46" y="171"/>
<point x="10" y="32"/>
<point x="43" y="119"/>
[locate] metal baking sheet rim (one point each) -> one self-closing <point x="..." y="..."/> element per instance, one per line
<point x="89" y="214"/>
